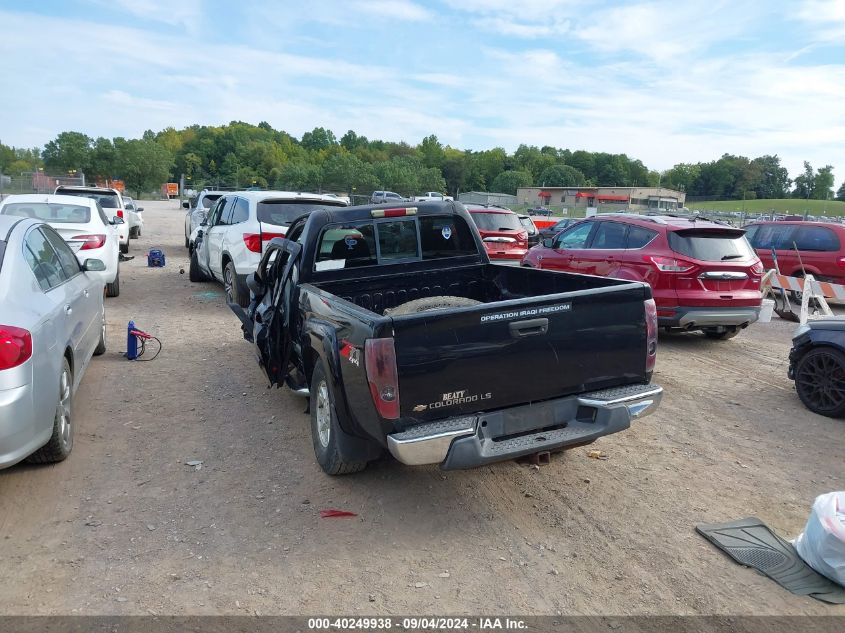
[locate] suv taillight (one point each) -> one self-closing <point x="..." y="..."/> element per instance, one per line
<point x="841" y="262"/>
<point x="90" y="241"/>
<point x="15" y="346"/>
<point x="253" y="240"/>
<point x="651" y="334"/>
<point x="669" y="264"/>
<point x="380" y="362"/>
<point x="758" y="269"/>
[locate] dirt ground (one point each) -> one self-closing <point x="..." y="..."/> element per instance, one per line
<point x="124" y="526"/>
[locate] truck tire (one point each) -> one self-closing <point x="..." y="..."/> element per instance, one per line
<point x="427" y="304"/>
<point x="194" y="272"/>
<point x="333" y="454"/>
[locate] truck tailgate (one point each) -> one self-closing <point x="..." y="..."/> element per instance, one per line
<point x="503" y="354"/>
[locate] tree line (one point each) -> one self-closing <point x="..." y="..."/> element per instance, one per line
<point x="243" y="155"/>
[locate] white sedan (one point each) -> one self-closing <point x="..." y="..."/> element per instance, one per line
<point x="82" y="223"/>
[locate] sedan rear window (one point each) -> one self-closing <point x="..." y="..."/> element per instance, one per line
<point x="711" y="245"/>
<point x="49" y="212"/>
<point x="283" y="212"/>
<point x="497" y="221"/>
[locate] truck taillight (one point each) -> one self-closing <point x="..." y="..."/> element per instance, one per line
<point x="90" y="241"/>
<point x="393" y="213"/>
<point x="380" y="362"/>
<point x="651" y="334"/>
<point x="15" y="346"/>
<point x="253" y="240"/>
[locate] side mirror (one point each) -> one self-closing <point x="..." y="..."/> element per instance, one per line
<point x="139" y="209"/>
<point x="549" y="242"/>
<point x="93" y="265"/>
<point x="118" y="220"/>
<point x="186" y="205"/>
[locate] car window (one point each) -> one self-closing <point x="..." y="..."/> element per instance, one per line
<point x="283" y="212"/>
<point x="639" y="236"/>
<point x="815" y="238"/>
<point x="576" y="237"/>
<point x="347" y="245"/>
<point x="711" y="245"/>
<point x="397" y="240"/>
<point x="43" y="260"/>
<point x="528" y="225"/>
<point x="560" y="225"/>
<point x="208" y="199"/>
<point x="107" y="200"/>
<point x="226" y="213"/>
<point x="105" y="219"/>
<point x="610" y="235"/>
<point x="769" y="236"/>
<point x="70" y="264"/>
<point x="130" y="206"/>
<point x="215" y="217"/>
<point x="496" y="221"/>
<point x="49" y="212"/>
<point x="446" y="236"/>
<point x="241" y="211"/>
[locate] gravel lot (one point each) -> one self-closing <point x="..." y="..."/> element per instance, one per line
<point x="126" y="527"/>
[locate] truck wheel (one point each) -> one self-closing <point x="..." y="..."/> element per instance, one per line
<point x="427" y="304"/>
<point x="194" y="272"/>
<point x="333" y="456"/>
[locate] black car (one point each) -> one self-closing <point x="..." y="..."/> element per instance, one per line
<point x="540" y="211"/>
<point x="551" y="231"/>
<point x="817" y="365"/>
<point x="407" y="338"/>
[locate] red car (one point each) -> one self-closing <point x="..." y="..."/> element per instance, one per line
<point x="704" y="276"/>
<point x="504" y="236"/>
<point x="815" y="247"/>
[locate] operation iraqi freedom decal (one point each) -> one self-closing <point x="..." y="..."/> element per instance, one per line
<point x="528" y="312"/>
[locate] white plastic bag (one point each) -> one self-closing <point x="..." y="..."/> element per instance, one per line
<point x="822" y="544"/>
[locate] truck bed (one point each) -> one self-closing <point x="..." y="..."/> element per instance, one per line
<point x="537" y="335"/>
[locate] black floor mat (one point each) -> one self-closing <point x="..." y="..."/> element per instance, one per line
<point x="749" y="542"/>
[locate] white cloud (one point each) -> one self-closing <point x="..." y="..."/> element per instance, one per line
<point x="186" y="13"/>
<point x="393" y="9"/>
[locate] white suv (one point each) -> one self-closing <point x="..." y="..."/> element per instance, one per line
<point x="231" y="239"/>
<point x="112" y="203"/>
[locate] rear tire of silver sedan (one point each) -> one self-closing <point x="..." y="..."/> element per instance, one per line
<point x="101" y="345"/>
<point x="61" y="441"/>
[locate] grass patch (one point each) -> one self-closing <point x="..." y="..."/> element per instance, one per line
<point x="790" y="206"/>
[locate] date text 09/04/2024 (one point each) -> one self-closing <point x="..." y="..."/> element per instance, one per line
<point x="416" y="623"/>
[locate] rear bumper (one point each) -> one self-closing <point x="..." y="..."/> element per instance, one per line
<point x="470" y="441"/>
<point x="692" y="318"/>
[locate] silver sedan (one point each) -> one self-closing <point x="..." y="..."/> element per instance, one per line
<point x="52" y="321"/>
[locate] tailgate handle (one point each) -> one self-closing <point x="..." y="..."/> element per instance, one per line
<point x="521" y="329"/>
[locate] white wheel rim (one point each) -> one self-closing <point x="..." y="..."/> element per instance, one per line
<point x="63" y="408"/>
<point x="324" y="415"/>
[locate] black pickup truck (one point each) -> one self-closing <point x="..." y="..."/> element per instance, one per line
<point x="404" y="336"/>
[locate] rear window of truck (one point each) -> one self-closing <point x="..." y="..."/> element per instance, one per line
<point x="283" y="212"/>
<point x="711" y="245"/>
<point x="373" y="242"/>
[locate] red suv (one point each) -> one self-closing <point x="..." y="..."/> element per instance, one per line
<point x="504" y="236"/>
<point x="704" y="276"/>
<point x="815" y="247"/>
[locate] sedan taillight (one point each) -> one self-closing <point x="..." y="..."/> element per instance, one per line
<point x="90" y="241"/>
<point x="15" y="346"/>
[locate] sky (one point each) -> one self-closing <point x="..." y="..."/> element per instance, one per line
<point x="665" y="82"/>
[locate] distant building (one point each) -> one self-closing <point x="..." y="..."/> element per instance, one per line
<point x="484" y="197"/>
<point x="605" y="199"/>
